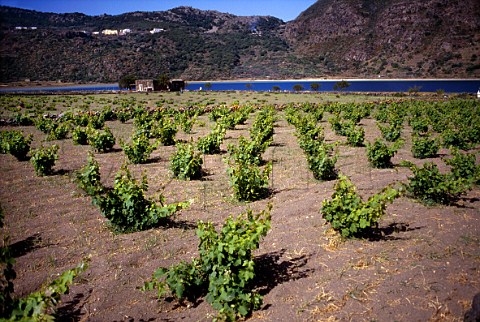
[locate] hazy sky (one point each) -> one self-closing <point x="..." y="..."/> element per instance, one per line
<point x="284" y="9"/>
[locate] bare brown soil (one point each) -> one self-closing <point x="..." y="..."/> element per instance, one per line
<point x="425" y="264"/>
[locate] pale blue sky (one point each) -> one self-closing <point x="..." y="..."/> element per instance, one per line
<point x="284" y="9"/>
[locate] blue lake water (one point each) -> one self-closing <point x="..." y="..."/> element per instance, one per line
<point x="449" y="86"/>
<point x="380" y="85"/>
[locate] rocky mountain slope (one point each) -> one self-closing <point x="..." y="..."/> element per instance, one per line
<point x="396" y="38"/>
<point x="348" y="38"/>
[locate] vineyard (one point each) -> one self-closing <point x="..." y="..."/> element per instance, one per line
<point x="264" y="206"/>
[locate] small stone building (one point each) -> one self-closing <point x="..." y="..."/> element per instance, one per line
<point x="152" y="85"/>
<point x="146" y="85"/>
<point x="176" y="85"/>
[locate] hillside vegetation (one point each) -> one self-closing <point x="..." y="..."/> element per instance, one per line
<point x="434" y="38"/>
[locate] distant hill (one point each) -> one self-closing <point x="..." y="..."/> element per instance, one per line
<point x="354" y="38"/>
<point x="394" y="38"/>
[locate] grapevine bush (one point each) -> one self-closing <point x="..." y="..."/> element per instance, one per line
<point x="355" y="135"/>
<point x="125" y="205"/>
<point x="35" y="306"/>
<point x="262" y="128"/>
<point x="43" y="159"/>
<point x="139" y="149"/>
<point x="322" y="164"/>
<point x="391" y="132"/>
<point x="186" y="164"/>
<point x="80" y="135"/>
<point x="463" y="165"/>
<point x="58" y="131"/>
<point x="44" y="124"/>
<point x="225" y="269"/>
<point x="247" y="151"/>
<point x="347" y="213"/>
<point x="96" y="121"/>
<point x="101" y="141"/>
<point x="430" y="186"/>
<point x="379" y="154"/>
<point x="187" y="121"/>
<point x="88" y="177"/>
<point x="424" y="147"/>
<point x="210" y="144"/>
<point x="249" y="182"/>
<point x="311" y="140"/>
<point x="15" y="143"/>
<point x="166" y="131"/>
<point x="454" y="138"/>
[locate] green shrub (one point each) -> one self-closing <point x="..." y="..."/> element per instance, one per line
<point x="128" y="209"/>
<point x="88" y="177"/>
<point x="262" y="128"/>
<point x="139" y="150"/>
<point x="322" y="164"/>
<point x="210" y="144"/>
<point x="379" y="154"/>
<point x="186" y="164"/>
<point x="124" y="115"/>
<point x="166" y="131"/>
<point x="419" y="125"/>
<point x="311" y="145"/>
<point x="225" y="269"/>
<point x="44" y="124"/>
<point x="247" y="151"/>
<point x="218" y="113"/>
<point x="58" y="131"/>
<point x="186" y="121"/>
<point x="107" y="114"/>
<point x="80" y="135"/>
<point x="430" y="186"/>
<point x="96" y="121"/>
<point x="43" y="159"/>
<point x="101" y="141"/>
<point x="347" y="213"/>
<point x="248" y="181"/>
<point x="454" y="138"/>
<point x="463" y="165"/>
<point x="391" y="133"/>
<point x="15" y="143"/>
<point x="81" y="119"/>
<point x="4" y="139"/>
<point x="24" y="120"/>
<point x="337" y="125"/>
<point x="355" y="135"/>
<point x="36" y="306"/>
<point x="424" y="147"/>
<point x="144" y="123"/>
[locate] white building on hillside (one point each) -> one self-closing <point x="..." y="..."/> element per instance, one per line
<point x="156" y="30"/>
<point x="109" y="32"/>
<point x="125" y="31"/>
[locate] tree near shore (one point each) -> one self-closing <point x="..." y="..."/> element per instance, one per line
<point x="341" y="85"/>
<point x="163" y="82"/>
<point x="297" y="88"/>
<point x="314" y="86"/>
<point x="127" y="81"/>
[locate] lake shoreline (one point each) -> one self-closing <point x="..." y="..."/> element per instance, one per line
<point x="50" y="84"/>
<point x="296" y="85"/>
<point x="329" y="80"/>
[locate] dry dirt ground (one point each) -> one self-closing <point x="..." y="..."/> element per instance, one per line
<point x="424" y="266"/>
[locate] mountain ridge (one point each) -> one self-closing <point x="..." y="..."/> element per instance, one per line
<point x="332" y="38"/>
